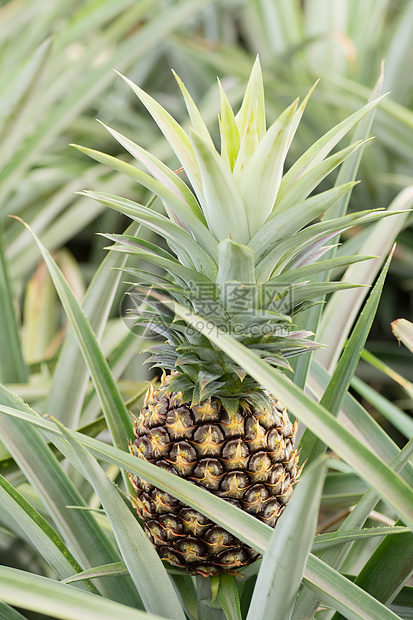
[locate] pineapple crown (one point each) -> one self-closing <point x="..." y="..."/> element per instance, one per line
<point x="243" y="238"/>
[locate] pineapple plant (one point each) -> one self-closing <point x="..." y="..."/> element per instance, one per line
<point x="243" y="239"/>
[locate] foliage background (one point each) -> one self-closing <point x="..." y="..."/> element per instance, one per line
<point x="56" y="78"/>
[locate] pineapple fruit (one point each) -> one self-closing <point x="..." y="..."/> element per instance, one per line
<point x="246" y="457"/>
<point x="243" y="240"/>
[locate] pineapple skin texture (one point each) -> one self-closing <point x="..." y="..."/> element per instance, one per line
<point x="248" y="459"/>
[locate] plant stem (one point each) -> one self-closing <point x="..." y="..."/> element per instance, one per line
<point x="207" y="608"/>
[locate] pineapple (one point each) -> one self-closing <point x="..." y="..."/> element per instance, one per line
<point x="246" y="457"/>
<point x="243" y="239"/>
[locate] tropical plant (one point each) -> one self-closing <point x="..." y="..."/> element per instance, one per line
<point x="71" y="544"/>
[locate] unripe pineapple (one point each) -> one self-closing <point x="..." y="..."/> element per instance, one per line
<point x="243" y="242"/>
<point x="246" y="457"/>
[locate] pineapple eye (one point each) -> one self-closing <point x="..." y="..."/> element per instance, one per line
<point x="218" y="538"/>
<point x="183" y="457"/>
<point x="166" y="553"/>
<point x="191" y="548"/>
<point x="193" y="521"/>
<point x="208" y="410"/>
<point x="208" y="439"/>
<point x="182" y="415"/>
<point x="165" y="465"/>
<point x="259" y="465"/>
<point x="143" y="448"/>
<point x="154" y="414"/>
<point x="155" y="532"/>
<point x="210" y="432"/>
<point x="172" y="525"/>
<point x="234" y="482"/>
<point x="255" y="497"/>
<point x="159" y="440"/>
<point x="276" y="445"/>
<point x="233" y="426"/>
<point x="271" y="511"/>
<point x="232" y="558"/>
<point x="146" y="505"/>
<point x="235" y="453"/>
<point x="208" y="473"/>
<point x="255" y="434"/>
<point x="165" y="497"/>
<point x="205" y="569"/>
<point x="182" y="450"/>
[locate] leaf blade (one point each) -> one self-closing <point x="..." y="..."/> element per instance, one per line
<point x="284" y="561"/>
<point x="141" y="559"/>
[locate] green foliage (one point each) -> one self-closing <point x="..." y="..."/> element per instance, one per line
<point x="71" y="545"/>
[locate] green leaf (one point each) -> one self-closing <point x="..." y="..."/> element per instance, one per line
<point x="70" y="378"/>
<point x="141" y="559"/>
<point x="44" y="538"/>
<point x="318" y="151"/>
<point x="47" y="596"/>
<point x="129" y="243"/>
<point x="12" y="366"/>
<point x="307" y="292"/>
<point x="187" y="594"/>
<point x="241" y="524"/>
<point x="229" y="131"/>
<point x="79" y="528"/>
<point x="199" y="230"/>
<point x="160" y="171"/>
<point x="116" y="568"/>
<point x="400" y="47"/>
<point x="388" y="371"/>
<point x="198" y="123"/>
<point x="229" y="597"/>
<point x="293" y="251"/>
<point x="222" y="203"/>
<point x="307" y="602"/>
<point x="340" y="313"/>
<point x="175" y="135"/>
<point x="250" y="118"/>
<point x="164" y="227"/>
<point x="303" y="186"/>
<point x="116" y="414"/>
<point x="302" y="273"/>
<point x="18" y="97"/>
<point x="403" y="330"/>
<point x="342" y="594"/>
<point x="312" y="446"/>
<point x="93" y="78"/>
<point x="400" y="420"/>
<point x="332" y="539"/>
<point x="171" y="265"/>
<point x="283" y="564"/>
<point x="15" y="104"/>
<point x="8" y="613"/>
<point x="317" y="418"/>
<point x="285" y="224"/>
<point x="349" y="169"/>
<point x="387" y="569"/>
<point x="359" y="421"/>
<point x="347" y="173"/>
<point x="261" y="177"/>
<point x="221" y="512"/>
<point x="403" y="603"/>
<point x="236" y="263"/>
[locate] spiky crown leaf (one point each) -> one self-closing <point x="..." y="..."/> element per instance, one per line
<point x="243" y="238"/>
